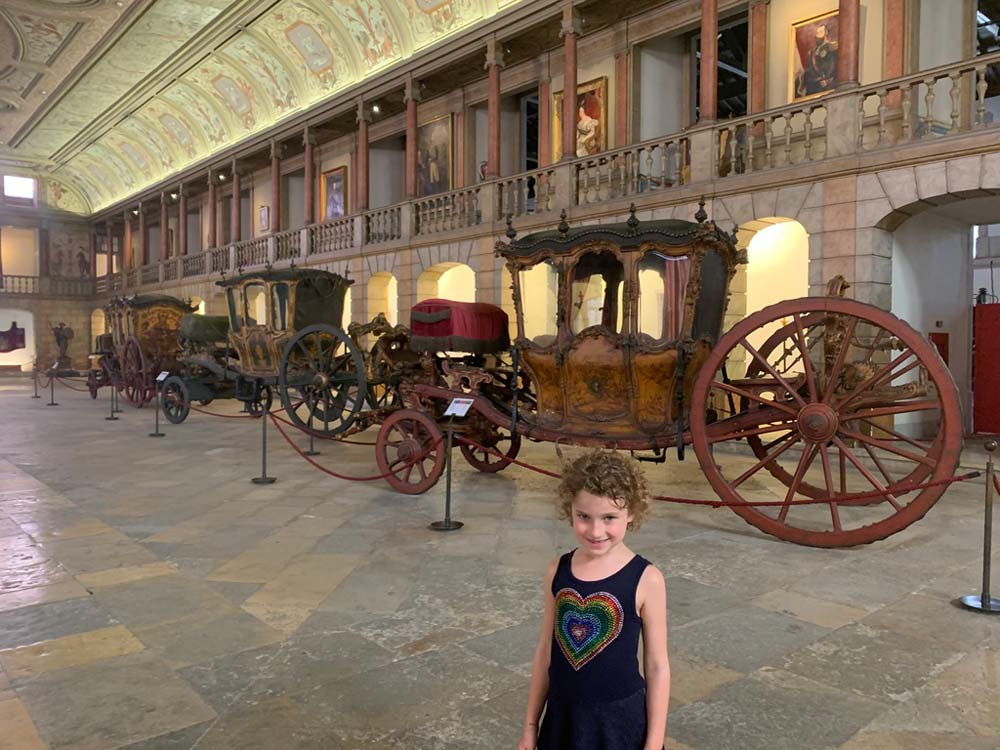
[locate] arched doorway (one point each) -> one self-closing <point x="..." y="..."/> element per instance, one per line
<point x="199" y="303"/>
<point x="383" y="296"/>
<point x="19" y="359"/>
<point x="454" y="281"/>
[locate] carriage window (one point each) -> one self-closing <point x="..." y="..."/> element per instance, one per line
<point x="540" y="302"/>
<point x="279" y="306"/>
<point x="256" y="299"/>
<point x="662" y="293"/>
<point x="235" y="319"/>
<point x="596" y="292"/>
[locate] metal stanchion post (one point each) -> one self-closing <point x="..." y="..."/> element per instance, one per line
<point x="984" y="602"/>
<point x="115" y="408"/>
<point x="156" y="430"/>
<point x="111" y="417"/>
<point x="264" y="478"/>
<point x="447" y="524"/>
<point x="35" y="378"/>
<point x="52" y="391"/>
<point x="312" y="448"/>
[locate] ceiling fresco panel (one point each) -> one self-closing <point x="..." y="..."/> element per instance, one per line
<point x="315" y="34"/>
<point x="174" y="123"/>
<point x="429" y="20"/>
<point x="149" y="137"/>
<point x="195" y="102"/>
<point x="63" y="197"/>
<point x="271" y="74"/>
<point x="370" y="27"/>
<point x="106" y="154"/>
<point x="229" y="91"/>
<point x="43" y="37"/>
<point x="18" y="80"/>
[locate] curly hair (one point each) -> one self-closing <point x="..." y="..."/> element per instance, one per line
<point x="606" y="474"/>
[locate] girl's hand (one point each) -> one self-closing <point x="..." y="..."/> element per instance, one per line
<point x="529" y="738"/>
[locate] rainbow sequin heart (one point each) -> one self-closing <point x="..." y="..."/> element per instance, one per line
<point x="585" y="627"/>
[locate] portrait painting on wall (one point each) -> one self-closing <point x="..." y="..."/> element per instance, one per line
<point x="591" y="119"/>
<point x="813" y="51"/>
<point x="264" y="218"/>
<point x="333" y="193"/>
<point x="434" y="163"/>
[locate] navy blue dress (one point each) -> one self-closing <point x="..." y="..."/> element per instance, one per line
<point x="597" y="697"/>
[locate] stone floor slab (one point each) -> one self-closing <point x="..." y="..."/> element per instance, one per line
<point x="43" y="622"/>
<point x="19" y="732"/>
<point x="69" y="651"/>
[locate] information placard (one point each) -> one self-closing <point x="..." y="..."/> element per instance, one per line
<point x="162" y="376"/>
<point x="458" y="407"/>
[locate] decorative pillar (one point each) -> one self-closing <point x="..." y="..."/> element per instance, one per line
<point x="109" y="252"/>
<point x="210" y="210"/>
<point x="93" y="252"/>
<point x="277" y="151"/>
<point x="545" y="122"/>
<point x="622" y="98"/>
<point x="309" y="191"/>
<point x="235" y="215"/>
<point x="182" y="220"/>
<point x="893" y="47"/>
<point x="459" y="119"/>
<point x="494" y="62"/>
<point x="128" y="252"/>
<point x="411" y="96"/>
<point x="143" y="253"/>
<point x="43" y="252"/>
<point x="708" y="104"/>
<point x="758" y="55"/>
<point x="570" y="31"/>
<point x="164" y="227"/>
<point x="849" y="25"/>
<point x="362" y="166"/>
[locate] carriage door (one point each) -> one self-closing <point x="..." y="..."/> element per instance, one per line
<point x="595" y="370"/>
<point x="258" y="337"/>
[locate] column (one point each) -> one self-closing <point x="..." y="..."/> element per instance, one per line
<point x="545" y="122"/>
<point x="164" y="227"/>
<point x="494" y="62"/>
<point x="709" y="79"/>
<point x="893" y="46"/>
<point x="362" y="170"/>
<point x="128" y="254"/>
<point x="277" y="151"/>
<point x="758" y="55"/>
<point x="43" y="252"/>
<point x="143" y="253"/>
<point x="109" y="248"/>
<point x="309" y="191"/>
<point x="459" y="120"/>
<point x="182" y="220"/>
<point x="570" y="31"/>
<point x="210" y="210"/>
<point x="623" y="98"/>
<point x="236" y="207"/>
<point x="93" y="252"/>
<point x="848" y="46"/>
<point x="411" y="96"/>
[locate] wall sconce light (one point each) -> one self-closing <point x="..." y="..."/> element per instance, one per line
<point x="173" y="196"/>
<point x="222" y="178"/>
<point x="375" y="109"/>
<point x="135" y="211"/>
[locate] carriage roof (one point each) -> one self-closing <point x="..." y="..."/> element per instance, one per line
<point x="141" y="301"/>
<point x="629" y="236"/>
<point x="286" y="274"/>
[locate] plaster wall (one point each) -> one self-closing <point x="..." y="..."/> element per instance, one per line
<point x="932" y="288"/>
<point x="659" y="69"/>
<point x="387" y="170"/>
<point x="293" y="200"/>
<point x="19" y="248"/>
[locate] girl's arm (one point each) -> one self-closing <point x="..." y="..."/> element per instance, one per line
<point x="652" y="595"/>
<point x="540" y="666"/>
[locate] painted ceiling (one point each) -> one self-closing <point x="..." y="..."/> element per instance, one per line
<point x="144" y="88"/>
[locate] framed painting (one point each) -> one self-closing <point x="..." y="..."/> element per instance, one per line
<point x="434" y="156"/>
<point x="591" y="119"/>
<point x="333" y="193"/>
<point x="264" y="218"/>
<point x="813" y="52"/>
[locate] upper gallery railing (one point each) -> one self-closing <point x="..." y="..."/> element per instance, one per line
<point x="944" y="101"/>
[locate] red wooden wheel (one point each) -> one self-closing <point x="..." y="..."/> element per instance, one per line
<point x="839" y="399"/>
<point x="499" y="440"/>
<point x="409" y="445"/>
<point x="135" y="375"/>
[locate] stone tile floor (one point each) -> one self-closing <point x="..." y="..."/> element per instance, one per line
<point x="152" y="598"/>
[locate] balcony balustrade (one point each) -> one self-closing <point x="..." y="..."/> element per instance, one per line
<point x="14" y="284"/>
<point x="331" y="237"/>
<point x="448" y="211"/>
<point x="287" y="245"/>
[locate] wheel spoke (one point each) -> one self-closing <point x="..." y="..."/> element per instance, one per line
<point x="754" y="397"/>
<point x="806" y="361"/>
<point x="904" y="407"/>
<point x="878" y="463"/>
<point x="783" y="427"/>
<point x="774" y="373"/>
<point x="824" y="455"/>
<point x="897" y="435"/>
<point x="790" y="439"/>
<point x="849" y="454"/>
<point x="880" y="376"/>
<point x="861" y="438"/>
<point x="834" y="375"/>
<point x="808" y="454"/>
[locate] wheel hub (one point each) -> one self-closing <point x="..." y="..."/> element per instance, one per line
<point x="408" y="449"/>
<point x="818" y="423"/>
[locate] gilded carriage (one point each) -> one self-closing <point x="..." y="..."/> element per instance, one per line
<point x="822" y="420"/>
<point x="142" y="340"/>
<point x="283" y="332"/>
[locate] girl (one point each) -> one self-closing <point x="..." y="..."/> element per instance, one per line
<point x="597" y="599"/>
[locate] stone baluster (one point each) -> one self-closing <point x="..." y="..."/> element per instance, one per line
<point x="955" y="93"/>
<point x="928" y="119"/>
<point x="981" y="87"/>
<point x="907" y="107"/>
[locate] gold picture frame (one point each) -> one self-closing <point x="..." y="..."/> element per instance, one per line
<point x="333" y="194"/>
<point x="813" y="48"/>
<point x="435" y="161"/>
<point x="593" y="137"/>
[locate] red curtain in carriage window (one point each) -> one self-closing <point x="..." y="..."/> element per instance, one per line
<point x="675" y="280"/>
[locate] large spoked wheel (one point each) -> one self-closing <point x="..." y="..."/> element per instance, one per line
<point x="488" y="461"/>
<point x="175" y="399"/>
<point x="135" y="374"/>
<point x="322" y="381"/>
<point x="260" y="404"/>
<point x="839" y="400"/>
<point x="409" y="450"/>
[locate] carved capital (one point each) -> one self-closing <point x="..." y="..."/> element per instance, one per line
<point x="308" y="137"/>
<point x="277" y="150"/>
<point x="571" y="22"/>
<point x="494" y="53"/>
<point x="411" y="91"/>
<point x="363" y="115"/>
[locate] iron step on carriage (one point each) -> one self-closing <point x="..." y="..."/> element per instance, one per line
<point x="823" y="421"/>
<point x="141" y="342"/>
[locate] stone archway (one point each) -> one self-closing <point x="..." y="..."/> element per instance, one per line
<point x="448" y="280"/>
<point x="383" y="296"/>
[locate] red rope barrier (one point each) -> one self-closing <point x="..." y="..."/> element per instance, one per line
<point x="411" y="462"/>
<point x="996" y="483"/>
<point x="336" y="438"/>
